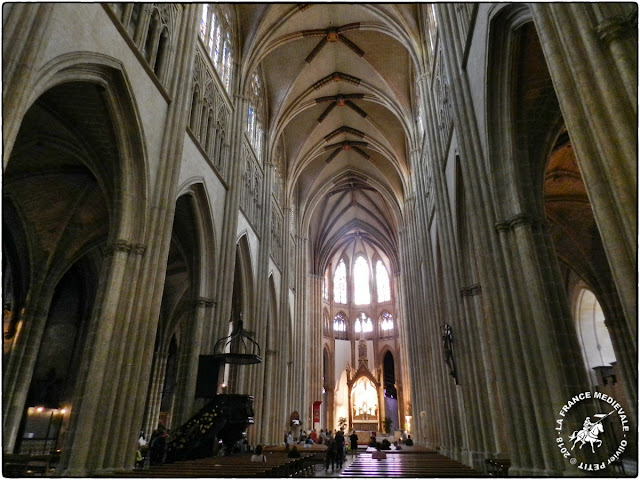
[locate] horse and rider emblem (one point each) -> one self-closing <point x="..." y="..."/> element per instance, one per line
<point x="590" y="431"/>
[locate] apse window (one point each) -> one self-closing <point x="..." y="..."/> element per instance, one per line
<point x="386" y="323"/>
<point x="363" y="324"/>
<point x="340" y="284"/>
<point x="361" y="293"/>
<point x="382" y="282"/>
<point x="340" y="326"/>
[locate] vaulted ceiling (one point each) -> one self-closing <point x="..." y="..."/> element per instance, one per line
<point x="338" y="81"/>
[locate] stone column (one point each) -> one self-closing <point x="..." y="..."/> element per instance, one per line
<point x="314" y="347"/>
<point x="87" y="422"/>
<point x="301" y="328"/>
<point x="589" y="80"/>
<point x="155" y="392"/>
<point x="230" y="224"/>
<point x="19" y="370"/>
<point x="486" y="246"/>
<point x="27" y="25"/>
<point x="189" y="357"/>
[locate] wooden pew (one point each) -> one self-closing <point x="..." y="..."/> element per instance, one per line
<point x="19" y="465"/>
<point x="277" y="465"/>
<point x="415" y="464"/>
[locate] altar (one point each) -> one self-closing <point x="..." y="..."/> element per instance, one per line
<point x="365" y="396"/>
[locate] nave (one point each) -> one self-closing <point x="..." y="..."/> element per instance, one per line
<point x="396" y="218"/>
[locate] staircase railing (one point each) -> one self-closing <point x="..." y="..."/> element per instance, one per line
<point x="225" y="417"/>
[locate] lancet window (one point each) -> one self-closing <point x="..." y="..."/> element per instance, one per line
<point x="382" y="282"/>
<point x="386" y="324"/>
<point x="340" y="326"/>
<point x="361" y="292"/>
<point x="325" y="285"/>
<point x="363" y="324"/>
<point x="432" y="26"/>
<point x="340" y="283"/>
<point x="256" y="115"/>
<point x="325" y="324"/>
<point x="216" y="32"/>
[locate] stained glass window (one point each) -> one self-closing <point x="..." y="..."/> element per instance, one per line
<point x="432" y="26"/>
<point x="325" y="323"/>
<point x="216" y="31"/>
<point x="386" y="322"/>
<point x="361" y="293"/>
<point x="325" y="285"/>
<point x="363" y="324"/>
<point x="204" y="21"/>
<point x="339" y="323"/>
<point x="340" y="283"/>
<point x="255" y="116"/>
<point x="382" y="282"/>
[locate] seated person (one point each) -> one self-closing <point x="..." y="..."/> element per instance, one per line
<point x="385" y="445"/>
<point x="294" y="453"/>
<point x="379" y="454"/>
<point x="258" y="455"/>
<point x="396" y="446"/>
<point x="408" y="442"/>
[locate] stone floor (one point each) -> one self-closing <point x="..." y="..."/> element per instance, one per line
<point x="321" y="472"/>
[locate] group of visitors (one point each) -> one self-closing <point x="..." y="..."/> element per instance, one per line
<point x="154" y="450"/>
<point x="335" y="450"/>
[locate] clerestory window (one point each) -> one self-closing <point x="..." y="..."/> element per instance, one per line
<point x="382" y="282"/>
<point x="340" y="283"/>
<point x="216" y="32"/>
<point x="361" y="292"/>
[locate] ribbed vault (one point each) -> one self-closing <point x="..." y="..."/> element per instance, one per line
<point x="338" y="81"/>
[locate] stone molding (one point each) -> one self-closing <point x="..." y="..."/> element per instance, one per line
<point x="119" y="246"/>
<point x="518" y="220"/>
<point x="205" y="302"/>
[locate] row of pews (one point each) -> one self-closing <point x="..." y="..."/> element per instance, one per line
<point x="18" y="465"/>
<point x="403" y="463"/>
<point x="278" y="465"/>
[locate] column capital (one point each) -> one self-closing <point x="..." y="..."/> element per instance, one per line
<point x="119" y="246"/>
<point x="521" y="219"/>
<point x="501" y="226"/>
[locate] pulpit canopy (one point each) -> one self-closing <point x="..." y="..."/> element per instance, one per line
<point x="238" y="348"/>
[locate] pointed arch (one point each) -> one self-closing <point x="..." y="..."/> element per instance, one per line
<point x="131" y="174"/>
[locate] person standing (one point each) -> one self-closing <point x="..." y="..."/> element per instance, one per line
<point x="331" y="454"/>
<point x="353" y="439"/>
<point x="339" y="449"/>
